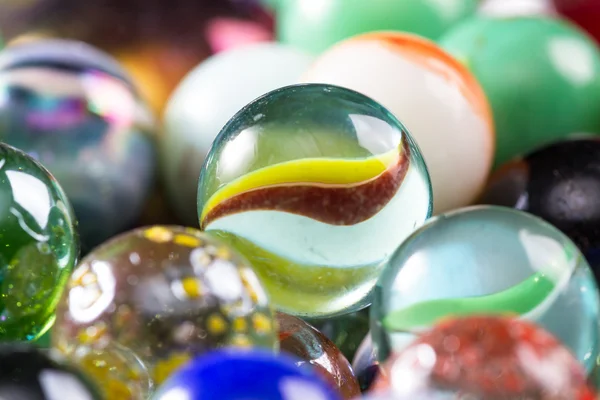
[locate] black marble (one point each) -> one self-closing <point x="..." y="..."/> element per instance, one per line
<point x="559" y="183"/>
<point x="27" y="373"/>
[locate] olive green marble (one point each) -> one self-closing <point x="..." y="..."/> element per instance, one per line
<point x="38" y="245"/>
<point x="541" y="75"/>
<point x="315" y="25"/>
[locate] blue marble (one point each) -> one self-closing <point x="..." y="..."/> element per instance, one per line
<point x="244" y="375"/>
<point x="75" y="110"/>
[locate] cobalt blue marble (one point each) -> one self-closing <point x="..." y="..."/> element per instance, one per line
<point x="244" y="375"/>
<point x="74" y="109"/>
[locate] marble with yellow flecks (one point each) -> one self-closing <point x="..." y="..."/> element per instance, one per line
<point x="143" y="304"/>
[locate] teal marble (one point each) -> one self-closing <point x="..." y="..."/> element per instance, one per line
<point x="493" y="261"/>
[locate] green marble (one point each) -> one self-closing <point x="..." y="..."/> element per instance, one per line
<point x="38" y="246"/>
<point x="541" y="75"/>
<point x="314" y="26"/>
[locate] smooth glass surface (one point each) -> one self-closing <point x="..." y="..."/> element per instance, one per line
<point x="316" y="185"/>
<point x="38" y="246"/>
<point x="487" y="260"/>
<point x="75" y="110"/>
<point x="148" y="301"/>
<point x="317" y="353"/>
<point x="229" y="375"/>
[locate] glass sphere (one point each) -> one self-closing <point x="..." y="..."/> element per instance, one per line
<point x="487" y="260"/>
<point x="148" y="301"/>
<point x="485" y="358"/>
<point x="73" y="108"/>
<point x="38" y="246"/>
<point x="317" y="352"/>
<point x="316" y="185"/>
<point x="253" y="374"/>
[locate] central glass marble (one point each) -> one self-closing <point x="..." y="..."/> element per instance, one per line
<point x="316" y="185"/>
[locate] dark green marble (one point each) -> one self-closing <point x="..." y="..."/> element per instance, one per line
<point x="346" y="331"/>
<point x="38" y="246"/>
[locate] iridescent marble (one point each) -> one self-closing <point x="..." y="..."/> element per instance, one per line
<point x="74" y="109"/>
<point x="28" y="374"/>
<point x="38" y="245"/>
<point x="148" y="301"/>
<point x="234" y="375"/>
<point x="491" y="358"/>
<point x="316" y="185"/>
<point x="317" y="352"/>
<point x="488" y="260"/>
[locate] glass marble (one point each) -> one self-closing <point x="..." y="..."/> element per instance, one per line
<point x="146" y="302"/>
<point x="346" y="331"/>
<point x="503" y="52"/>
<point x="39" y="245"/>
<point x="317" y="352"/>
<point x="559" y="183"/>
<point x="316" y="185"/>
<point x="74" y="109"/>
<point x="253" y="374"/>
<point x="28" y="374"/>
<point x="205" y="101"/>
<point x="315" y="26"/>
<point x="487" y="260"/>
<point x="491" y="358"/>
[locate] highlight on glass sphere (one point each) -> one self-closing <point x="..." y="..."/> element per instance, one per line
<point x="74" y="109"/>
<point x="148" y="301"/>
<point x="317" y="353"/>
<point x="485" y="357"/>
<point x="487" y="260"/>
<point x="316" y="186"/>
<point x="38" y="246"/>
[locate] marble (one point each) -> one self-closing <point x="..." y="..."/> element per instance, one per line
<point x="316" y="186"/>
<point x="488" y="260"/>
<point x="74" y="109"/>
<point x="39" y="247"/>
<point x="148" y="301"/>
